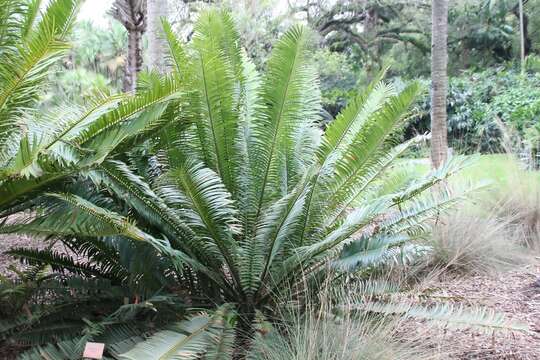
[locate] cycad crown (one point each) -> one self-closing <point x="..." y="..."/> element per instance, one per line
<point x="243" y="191"/>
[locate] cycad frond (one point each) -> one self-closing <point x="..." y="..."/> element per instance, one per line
<point x="291" y="102"/>
<point x="347" y="124"/>
<point x="56" y="260"/>
<point x="89" y="220"/>
<point x="177" y="55"/>
<point x="189" y="339"/>
<point x="23" y="73"/>
<point x="215" y="214"/>
<point x="218" y="70"/>
<point x="456" y="316"/>
<point x="109" y="130"/>
<point x="368" y="251"/>
<point x="369" y="141"/>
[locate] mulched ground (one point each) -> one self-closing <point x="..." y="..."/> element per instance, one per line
<point x="9" y="242"/>
<point x="513" y="294"/>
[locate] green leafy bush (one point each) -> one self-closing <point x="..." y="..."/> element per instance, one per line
<point x="478" y="100"/>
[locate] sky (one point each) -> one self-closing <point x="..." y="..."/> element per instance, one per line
<point x="95" y="11"/>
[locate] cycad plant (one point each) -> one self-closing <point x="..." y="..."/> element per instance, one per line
<point x="41" y="147"/>
<point x="240" y="193"/>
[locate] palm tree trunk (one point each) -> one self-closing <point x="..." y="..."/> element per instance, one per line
<point x="134" y="60"/>
<point x="439" y="82"/>
<point x="157" y="9"/>
<point x="131" y="14"/>
<point x="521" y="37"/>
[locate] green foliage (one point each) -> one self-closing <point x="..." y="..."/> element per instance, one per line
<point x="40" y="148"/>
<point x="225" y="187"/>
<point x="211" y="186"/>
<point x="338" y="79"/>
<point x="479" y="101"/>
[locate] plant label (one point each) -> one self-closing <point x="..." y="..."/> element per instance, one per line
<point x="93" y="350"/>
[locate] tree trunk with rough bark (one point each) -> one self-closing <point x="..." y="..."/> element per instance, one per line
<point x="134" y="60"/>
<point x="132" y="15"/>
<point x="157" y="10"/>
<point x="439" y="82"/>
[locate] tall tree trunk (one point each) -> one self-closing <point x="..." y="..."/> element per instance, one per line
<point x="134" y="60"/>
<point x="157" y="9"/>
<point x="131" y="14"/>
<point x="525" y="40"/>
<point x="521" y="37"/>
<point x="439" y="82"/>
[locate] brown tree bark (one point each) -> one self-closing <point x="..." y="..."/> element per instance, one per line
<point x="439" y="82"/>
<point x="134" y="60"/>
<point x="131" y="14"/>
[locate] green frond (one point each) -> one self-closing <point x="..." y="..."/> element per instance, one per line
<point x="291" y="102"/>
<point x="368" y="251"/>
<point x="374" y="173"/>
<point x="212" y="205"/>
<point x="348" y="123"/>
<point x="13" y="190"/>
<point x="109" y="130"/>
<point x="375" y="288"/>
<point x="177" y="55"/>
<point x="130" y="187"/>
<point x="70" y="214"/>
<point x="70" y="350"/>
<point x="280" y="227"/>
<point x="456" y="316"/>
<point x="23" y="73"/>
<point x="331" y="244"/>
<point x="358" y="158"/>
<point x="451" y="167"/>
<point x="416" y="216"/>
<point x="275" y="230"/>
<point x="30" y="16"/>
<point x="217" y="66"/>
<point x="189" y="339"/>
<point x="11" y="25"/>
<point x="57" y="261"/>
<point x="355" y="152"/>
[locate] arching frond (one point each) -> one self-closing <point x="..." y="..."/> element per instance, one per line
<point x="348" y="123"/>
<point x="22" y="73"/>
<point x="455" y="316"/>
<point x="199" y="336"/>
<point x="290" y="97"/>
<point x="368" y="251"/>
<point x="89" y="220"/>
<point x="218" y="74"/>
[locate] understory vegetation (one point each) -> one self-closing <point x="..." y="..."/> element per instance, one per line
<point x="228" y="208"/>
